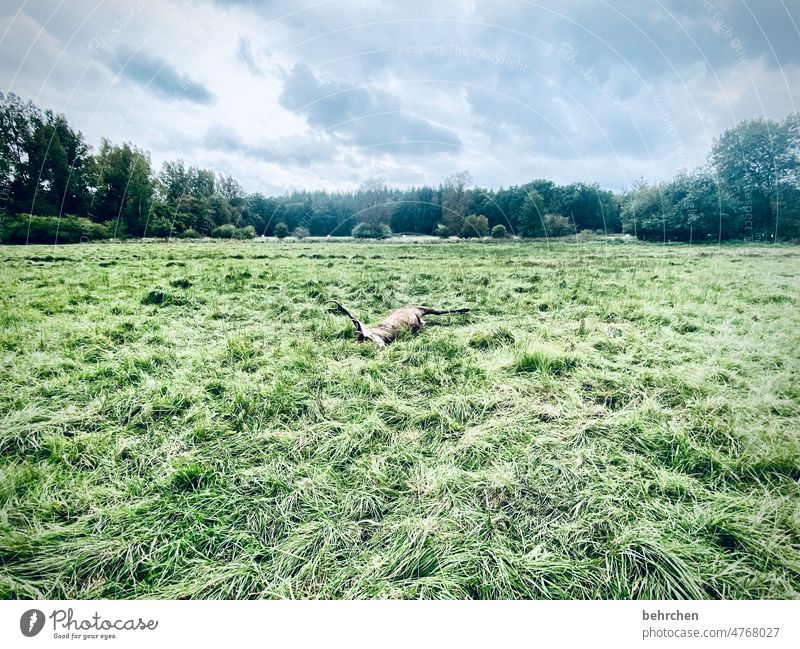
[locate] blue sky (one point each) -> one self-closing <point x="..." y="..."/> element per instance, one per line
<point x="322" y="93"/>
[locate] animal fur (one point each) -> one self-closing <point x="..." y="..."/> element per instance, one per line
<point x="402" y="319"/>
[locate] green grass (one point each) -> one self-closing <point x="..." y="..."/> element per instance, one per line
<point x="189" y="420"/>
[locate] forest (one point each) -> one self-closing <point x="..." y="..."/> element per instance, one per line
<point x="55" y="188"/>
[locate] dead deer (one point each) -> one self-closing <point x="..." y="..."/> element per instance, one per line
<point x="386" y="331"/>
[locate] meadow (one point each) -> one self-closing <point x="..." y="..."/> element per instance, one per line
<point x="188" y="420"/>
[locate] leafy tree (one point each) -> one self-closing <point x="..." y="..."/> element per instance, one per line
<point x="557" y="225"/>
<point x="16" y="141"/>
<point x="220" y="210"/>
<point x="257" y="211"/>
<point x="191" y="194"/>
<point x="787" y="212"/>
<point x="484" y="201"/>
<point x="588" y="206"/>
<point x="327" y="216"/>
<point x="510" y="203"/>
<point x="44" y="164"/>
<point x="374" y="205"/>
<point x="547" y="189"/>
<point x="416" y="210"/>
<point x="201" y="182"/>
<point x="60" y="158"/>
<point x="294" y="213"/>
<point x="281" y="230"/>
<point x="173" y="182"/>
<point x="454" y="201"/>
<point x="475" y="225"/>
<point x="230" y="189"/>
<point x="702" y="210"/>
<point x="124" y="189"/>
<point x="753" y="160"/>
<point x="751" y="187"/>
<point x="531" y="218"/>
<point x="643" y="211"/>
<point x="692" y="207"/>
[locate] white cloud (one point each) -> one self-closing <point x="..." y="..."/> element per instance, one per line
<point x="644" y="93"/>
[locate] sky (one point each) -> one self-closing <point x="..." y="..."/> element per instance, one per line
<point x="309" y="94"/>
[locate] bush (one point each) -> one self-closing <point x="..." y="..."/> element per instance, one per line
<point x="557" y="226"/>
<point x="499" y="232"/>
<point x="247" y="232"/>
<point x="301" y="233"/>
<point x="223" y="231"/>
<point x="230" y="231"/>
<point x="442" y="231"/>
<point x="281" y="231"/>
<point x="371" y="231"/>
<point x="190" y="233"/>
<point x="24" y="228"/>
<point x="159" y="227"/>
<point x="475" y="225"/>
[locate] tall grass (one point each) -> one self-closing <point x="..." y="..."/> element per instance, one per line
<point x="189" y="420"/>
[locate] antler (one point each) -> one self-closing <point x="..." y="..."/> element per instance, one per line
<point x="356" y="322"/>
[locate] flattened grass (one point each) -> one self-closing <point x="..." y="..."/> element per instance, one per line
<point x="189" y="420"/>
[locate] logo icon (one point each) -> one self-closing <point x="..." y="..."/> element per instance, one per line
<point x="31" y="622"/>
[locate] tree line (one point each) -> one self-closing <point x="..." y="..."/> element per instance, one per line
<point x="54" y="185"/>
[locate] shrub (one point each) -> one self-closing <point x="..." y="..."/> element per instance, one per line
<point x="247" y="232"/>
<point x="230" y="231"/>
<point x="190" y="233"/>
<point x="159" y="227"/>
<point x="442" y="231"/>
<point x="475" y="225"/>
<point x="557" y="226"/>
<point x="371" y="231"/>
<point x="223" y="231"/>
<point x="301" y="233"/>
<point x="499" y="232"/>
<point x="24" y="228"/>
<point x="281" y="231"/>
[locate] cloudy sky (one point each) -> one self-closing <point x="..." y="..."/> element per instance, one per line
<point x="326" y="93"/>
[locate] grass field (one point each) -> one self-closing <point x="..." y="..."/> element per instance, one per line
<point x="189" y="420"/>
